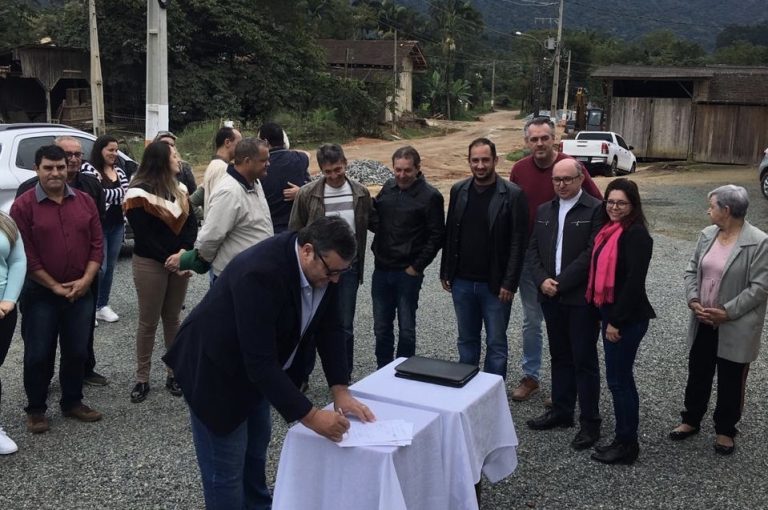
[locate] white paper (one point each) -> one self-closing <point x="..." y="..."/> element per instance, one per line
<point x="378" y="433"/>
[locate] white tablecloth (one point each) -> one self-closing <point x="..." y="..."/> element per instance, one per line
<point x="314" y="473"/>
<point x="477" y="424"/>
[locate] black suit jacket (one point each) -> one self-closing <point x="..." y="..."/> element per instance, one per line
<point x="232" y="347"/>
<point x="582" y="223"/>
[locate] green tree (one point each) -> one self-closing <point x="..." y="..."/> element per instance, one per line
<point x="17" y="27"/>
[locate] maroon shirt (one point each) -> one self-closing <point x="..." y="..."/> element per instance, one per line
<point x="536" y="183"/>
<point x="59" y="238"/>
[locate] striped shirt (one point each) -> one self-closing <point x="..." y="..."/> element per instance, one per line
<point x="339" y="202"/>
<point x="112" y="196"/>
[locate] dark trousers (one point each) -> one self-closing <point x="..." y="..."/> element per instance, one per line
<point x="394" y="292"/>
<point x="7" y="326"/>
<point x="619" y="374"/>
<point x="573" y="332"/>
<point x="44" y="318"/>
<point x="90" y="363"/>
<point x="731" y="383"/>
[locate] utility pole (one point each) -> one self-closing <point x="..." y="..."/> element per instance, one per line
<point x="556" y="71"/>
<point x="567" y="83"/>
<point x="97" y="85"/>
<point x="157" y="69"/>
<point x="493" y="84"/>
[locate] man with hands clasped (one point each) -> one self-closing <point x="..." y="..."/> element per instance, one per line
<point x="238" y="349"/>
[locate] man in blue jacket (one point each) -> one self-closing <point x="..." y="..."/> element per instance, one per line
<point x="233" y="354"/>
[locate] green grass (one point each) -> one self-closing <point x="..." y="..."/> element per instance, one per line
<point x="517" y="155"/>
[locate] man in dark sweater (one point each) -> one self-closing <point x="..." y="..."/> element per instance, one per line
<point x="559" y="254"/>
<point x="288" y="171"/>
<point x="409" y="224"/>
<point x="486" y="233"/>
<point x="534" y="176"/>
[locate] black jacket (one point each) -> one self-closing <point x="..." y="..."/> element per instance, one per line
<point x="582" y="223"/>
<point x="630" y="298"/>
<point x="508" y="221"/>
<point x="409" y="225"/>
<point x="232" y="347"/>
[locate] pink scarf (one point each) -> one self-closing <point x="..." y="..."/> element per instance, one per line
<point x="602" y="272"/>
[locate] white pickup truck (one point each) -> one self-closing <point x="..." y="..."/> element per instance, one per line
<point x="602" y="151"/>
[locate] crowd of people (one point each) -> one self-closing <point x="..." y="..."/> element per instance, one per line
<point x="285" y="257"/>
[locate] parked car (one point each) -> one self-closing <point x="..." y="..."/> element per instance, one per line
<point x="18" y="143"/>
<point x="762" y="171"/>
<point x="603" y="151"/>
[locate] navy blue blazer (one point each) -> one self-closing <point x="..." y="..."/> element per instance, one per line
<point x="232" y="347"/>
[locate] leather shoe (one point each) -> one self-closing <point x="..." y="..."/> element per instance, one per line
<point x="37" y="423"/>
<point x="526" y="389"/>
<point x="585" y="438"/>
<point x="679" y="435"/>
<point x="173" y="387"/>
<point x="606" y="447"/>
<point x="139" y="392"/>
<point x="620" y="453"/>
<point x="549" y="420"/>
<point x="83" y="413"/>
<point x="722" y="449"/>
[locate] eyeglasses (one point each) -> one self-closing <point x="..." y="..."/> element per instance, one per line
<point x="332" y="272"/>
<point x="76" y="155"/>
<point x="565" y="180"/>
<point x="618" y="204"/>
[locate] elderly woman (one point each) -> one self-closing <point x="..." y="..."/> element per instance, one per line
<point x="726" y="285"/>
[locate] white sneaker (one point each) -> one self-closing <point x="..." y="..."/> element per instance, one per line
<point x="106" y="314"/>
<point x="6" y="444"/>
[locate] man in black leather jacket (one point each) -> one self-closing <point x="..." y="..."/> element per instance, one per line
<point x="409" y="225"/>
<point x="485" y="240"/>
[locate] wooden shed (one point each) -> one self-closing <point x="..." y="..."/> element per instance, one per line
<point x="374" y="61"/>
<point x="39" y="82"/>
<point x="712" y="114"/>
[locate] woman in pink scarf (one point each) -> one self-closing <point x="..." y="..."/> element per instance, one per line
<point x="620" y="258"/>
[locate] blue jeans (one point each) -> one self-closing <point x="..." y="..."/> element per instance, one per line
<point x="347" y="289"/>
<point x="572" y="333"/>
<point x="394" y="291"/>
<point x="46" y="317"/>
<point x="113" y="241"/>
<point x="476" y="306"/>
<point x="532" y="319"/>
<point x="232" y="467"/>
<point x="619" y="364"/>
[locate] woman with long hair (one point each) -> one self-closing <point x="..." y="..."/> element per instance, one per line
<point x="618" y="269"/>
<point x="159" y="212"/>
<point x="726" y="285"/>
<point x="103" y="164"/>
<point x="13" y="268"/>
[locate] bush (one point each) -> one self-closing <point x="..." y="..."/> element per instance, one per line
<point x="354" y="107"/>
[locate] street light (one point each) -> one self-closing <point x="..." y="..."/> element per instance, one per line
<point x="544" y="46"/>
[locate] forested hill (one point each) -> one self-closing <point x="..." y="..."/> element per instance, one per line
<point x="697" y="20"/>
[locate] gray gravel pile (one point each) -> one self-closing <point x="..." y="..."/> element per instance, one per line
<point x="142" y="456"/>
<point x="368" y="171"/>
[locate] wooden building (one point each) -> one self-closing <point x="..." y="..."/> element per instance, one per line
<point x="375" y="61"/>
<point x="42" y="83"/>
<point x="712" y="114"/>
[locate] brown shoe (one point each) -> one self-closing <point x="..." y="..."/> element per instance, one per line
<point x="83" y="413"/>
<point x="527" y="388"/>
<point x="37" y="423"/>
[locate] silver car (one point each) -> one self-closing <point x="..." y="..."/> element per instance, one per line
<point x="18" y="143"/>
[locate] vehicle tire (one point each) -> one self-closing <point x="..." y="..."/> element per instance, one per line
<point x="764" y="183"/>
<point x="610" y="170"/>
<point x="633" y="168"/>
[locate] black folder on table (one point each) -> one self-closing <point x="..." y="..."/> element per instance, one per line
<point x="436" y="371"/>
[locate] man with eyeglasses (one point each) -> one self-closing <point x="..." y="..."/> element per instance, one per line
<point x="91" y="186"/>
<point x="558" y="256"/>
<point x="238" y="214"/>
<point x="236" y="351"/>
<point x="335" y="194"/>
<point x="533" y="174"/>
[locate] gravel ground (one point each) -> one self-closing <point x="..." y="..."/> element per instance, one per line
<point x="141" y="455"/>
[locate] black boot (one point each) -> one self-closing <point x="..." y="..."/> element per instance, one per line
<point x="620" y="453"/>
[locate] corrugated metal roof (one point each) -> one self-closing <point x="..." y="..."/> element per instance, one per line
<point x="673" y="73"/>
